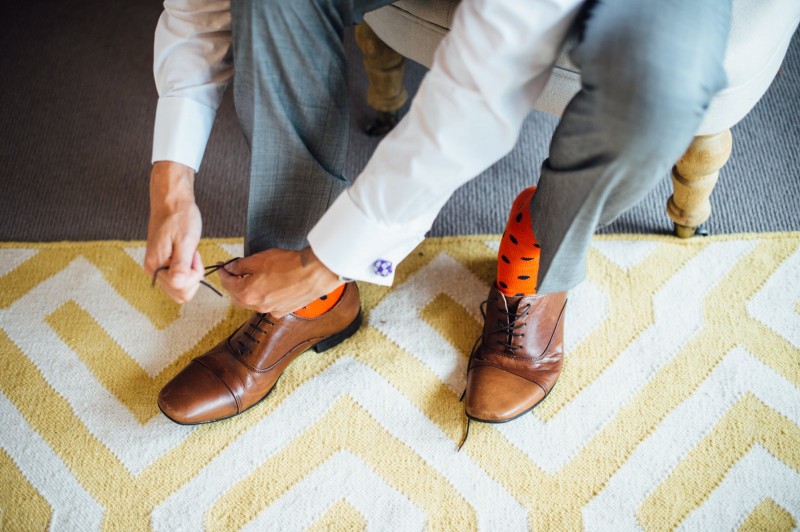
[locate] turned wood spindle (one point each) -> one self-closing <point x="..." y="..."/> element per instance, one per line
<point x="693" y="178"/>
<point x="385" y="69"/>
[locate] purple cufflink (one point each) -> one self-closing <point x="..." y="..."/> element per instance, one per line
<point x="382" y="267"/>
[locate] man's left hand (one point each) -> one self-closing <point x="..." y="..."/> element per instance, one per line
<point x="277" y="281"/>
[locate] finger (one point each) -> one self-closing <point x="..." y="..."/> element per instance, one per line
<point x="176" y="296"/>
<point x="279" y="306"/>
<point x="241" y="266"/>
<point x="197" y="264"/>
<point x="235" y="285"/>
<point x="243" y="302"/>
<point x="188" y="294"/>
<point x="180" y="296"/>
<point x="184" y="292"/>
<point x="157" y="253"/>
<point x="180" y="265"/>
<point x="278" y="314"/>
<point x="192" y="284"/>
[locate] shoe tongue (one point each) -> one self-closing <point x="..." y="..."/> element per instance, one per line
<point x="510" y="303"/>
<point x="498" y="305"/>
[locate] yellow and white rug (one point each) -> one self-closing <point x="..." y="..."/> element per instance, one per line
<point x="679" y="405"/>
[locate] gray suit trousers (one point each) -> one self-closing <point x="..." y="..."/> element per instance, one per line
<point x="649" y="70"/>
<point x="290" y="93"/>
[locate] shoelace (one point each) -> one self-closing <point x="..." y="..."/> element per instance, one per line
<point x="209" y="270"/>
<point x="254" y="328"/>
<point x="513" y="318"/>
<point x="510" y="329"/>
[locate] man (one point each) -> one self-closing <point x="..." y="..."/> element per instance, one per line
<point x="649" y="70"/>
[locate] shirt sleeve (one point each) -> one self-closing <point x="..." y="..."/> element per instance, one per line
<point x="486" y="76"/>
<point x="192" y="67"/>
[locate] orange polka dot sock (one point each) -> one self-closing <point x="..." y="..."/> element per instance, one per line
<point x="320" y="306"/>
<point x="518" y="257"/>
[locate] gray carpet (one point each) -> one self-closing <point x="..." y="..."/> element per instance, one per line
<point x="76" y="129"/>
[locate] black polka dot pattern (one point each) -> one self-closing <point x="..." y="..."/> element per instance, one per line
<point x="517" y="254"/>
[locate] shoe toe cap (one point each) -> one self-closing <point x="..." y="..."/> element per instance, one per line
<point x="196" y="395"/>
<point x="495" y="395"/>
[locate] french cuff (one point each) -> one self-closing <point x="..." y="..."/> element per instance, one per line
<point x="181" y="131"/>
<point x="355" y="247"/>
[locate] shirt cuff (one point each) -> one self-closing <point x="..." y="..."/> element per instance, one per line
<point x="181" y="131"/>
<point x="355" y="247"/>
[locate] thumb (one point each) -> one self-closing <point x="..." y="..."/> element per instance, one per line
<point x="197" y="264"/>
<point x="180" y="266"/>
<point x="241" y="266"/>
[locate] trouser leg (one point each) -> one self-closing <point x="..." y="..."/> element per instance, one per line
<point x="290" y="91"/>
<point x="649" y="70"/>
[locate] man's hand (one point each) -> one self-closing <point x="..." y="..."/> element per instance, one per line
<point x="278" y="281"/>
<point x="174" y="231"/>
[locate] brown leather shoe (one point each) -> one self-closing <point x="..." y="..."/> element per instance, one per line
<point x="519" y="358"/>
<point x="242" y="370"/>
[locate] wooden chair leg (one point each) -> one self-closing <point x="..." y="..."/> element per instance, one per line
<point x="385" y="69"/>
<point x="693" y="179"/>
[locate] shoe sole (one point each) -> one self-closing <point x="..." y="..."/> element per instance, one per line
<point x="341" y="336"/>
<point x="319" y="347"/>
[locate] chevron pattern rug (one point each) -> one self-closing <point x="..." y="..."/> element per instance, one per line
<point x="679" y="405"/>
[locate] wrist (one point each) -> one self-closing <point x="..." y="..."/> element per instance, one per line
<point x="325" y="276"/>
<point x="171" y="185"/>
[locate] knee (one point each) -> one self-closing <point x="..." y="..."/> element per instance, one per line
<point x="656" y="122"/>
<point x="651" y="101"/>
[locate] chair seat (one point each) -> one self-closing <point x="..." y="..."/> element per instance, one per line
<point x="760" y="35"/>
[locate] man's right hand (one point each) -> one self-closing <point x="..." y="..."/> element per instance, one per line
<point x="173" y="231"/>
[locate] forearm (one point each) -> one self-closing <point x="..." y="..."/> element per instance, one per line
<point x="171" y="186"/>
<point x="467" y="114"/>
<point x="486" y="77"/>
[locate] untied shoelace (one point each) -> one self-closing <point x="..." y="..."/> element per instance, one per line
<point x="209" y="270"/>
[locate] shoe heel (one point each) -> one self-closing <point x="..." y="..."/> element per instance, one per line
<point x="341" y="336"/>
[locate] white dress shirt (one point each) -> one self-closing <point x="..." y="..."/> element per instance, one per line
<point x="485" y="78"/>
<point x="193" y="66"/>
